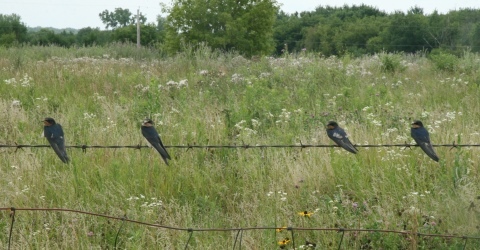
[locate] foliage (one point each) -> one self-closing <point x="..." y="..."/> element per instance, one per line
<point x="119" y="18"/>
<point x="12" y="30"/>
<point x="391" y="63"/>
<point x="89" y="37"/>
<point x="258" y="27"/>
<point x="149" y="34"/>
<point x="46" y="37"/>
<point x="243" y="26"/>
<point x="444" y="60"/>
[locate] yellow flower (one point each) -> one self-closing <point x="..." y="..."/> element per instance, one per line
<point x="305" y="214"/>
<point x="280" y="229"/>
<point x="284" y="242"/>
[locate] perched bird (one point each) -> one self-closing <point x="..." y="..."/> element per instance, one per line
<point x="54" y="134"/>
<point x="422" y="138"/>
<point x="338" y="135"/>
<point x="151" y="134"/>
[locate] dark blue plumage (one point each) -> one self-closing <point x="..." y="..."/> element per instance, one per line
<point x="422" y="138"/>
<point x="338" y="135"/>
<point x="151" y="134"/>
<point x="54" y="134"/>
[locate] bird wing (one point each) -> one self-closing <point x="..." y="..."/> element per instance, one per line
<point x="428" y="149"/>
<point x="341" y="139"/>
<point x="422" y="138"/>
<point x="153" y="138"/>
<point x="58" y="146"/>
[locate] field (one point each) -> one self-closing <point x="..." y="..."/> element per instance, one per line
<point x="200" y="97"/>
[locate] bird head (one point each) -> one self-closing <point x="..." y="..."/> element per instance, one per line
<point x="332" y="125"/>
<point x="417" y="124"/>
<point x="49" y="121"/>
<point x="147" y="122"/>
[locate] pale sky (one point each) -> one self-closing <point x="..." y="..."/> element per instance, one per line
<point x="84" y="13"/>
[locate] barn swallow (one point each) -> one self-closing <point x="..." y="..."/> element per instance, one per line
<point x="422" y="138"/>
<point x="54" y="134"/>
<point x="338" y="135"/>
<point x="151" y="134"/>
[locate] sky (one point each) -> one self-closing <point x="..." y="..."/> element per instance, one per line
<point x="79" y="14"/>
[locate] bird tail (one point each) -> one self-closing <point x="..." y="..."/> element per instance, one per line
<point x="163" y="152"/>
<point x="428" y="149"/>
<point x="61" y="153"/>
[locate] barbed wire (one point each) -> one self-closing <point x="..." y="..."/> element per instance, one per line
<point x="243" y="145"/>
<point x="240" y="230"/>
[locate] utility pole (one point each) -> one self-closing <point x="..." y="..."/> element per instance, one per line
<point x="138" y="28"/>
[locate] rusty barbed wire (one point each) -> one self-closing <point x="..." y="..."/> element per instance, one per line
<point x="13" y="211"/>
<point x="243" y="145"/>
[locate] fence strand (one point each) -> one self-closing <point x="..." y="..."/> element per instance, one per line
<point x="244" y="146"/>
<point x="124" y="219"/>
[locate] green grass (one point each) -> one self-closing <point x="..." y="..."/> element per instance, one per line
<point x="100" y="95"/>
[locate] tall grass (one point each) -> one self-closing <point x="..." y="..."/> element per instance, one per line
<point x="100" y="95"/>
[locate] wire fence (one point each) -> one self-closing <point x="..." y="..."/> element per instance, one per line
<point x="238" y="239"/>
<point x="243" y="145"/>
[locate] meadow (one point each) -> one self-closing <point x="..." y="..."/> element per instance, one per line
<point x="202" y="97"/>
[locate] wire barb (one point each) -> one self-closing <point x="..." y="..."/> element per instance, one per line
<point x="18" y="147"/>
<point x="453" y="145"/>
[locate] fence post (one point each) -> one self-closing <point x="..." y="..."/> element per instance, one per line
<point x="293" y="237"/>
<point x="465" y="245"/>
<point x="189" y="238"/>
<point x="240" y="232"/>
<point x="12" y="214"/>
<point x="119" y="229"/>
<point x="341" y="239"/>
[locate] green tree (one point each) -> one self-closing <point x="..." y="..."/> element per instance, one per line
<point x="89" y="37"/>
<point x="119" y="18"/>
<point x="288" y="32"/>
<point x="43" y="37"/>
<point x="149" y="34"/>
<point x="12" y="30"/>
<point x="242" y="25"/>
<point x="408" y="32"/>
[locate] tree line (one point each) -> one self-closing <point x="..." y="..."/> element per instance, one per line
<point x="259" y="27"/>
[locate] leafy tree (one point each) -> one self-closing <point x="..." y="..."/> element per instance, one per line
<point x="89" y="37"/>
<point x="408" y="32"/>
<point x="353" y="36"/>
<point x="466" y="21"/>
<point x="330" y="30"/>
<point x="242" y="25"/>
<point x="119" y="18"/>
<point x="149" y="34"/>
<point x="43" y="37"/>
<point x="12" y="30"/>
<point x="288" y="32"/>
